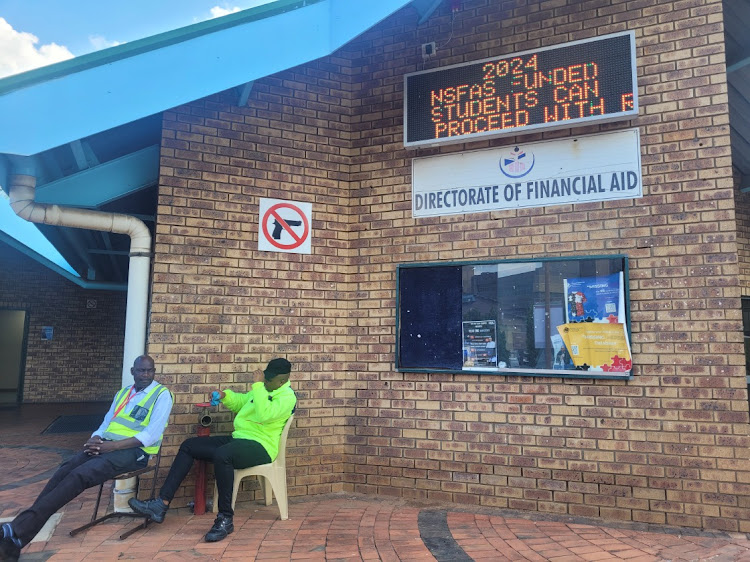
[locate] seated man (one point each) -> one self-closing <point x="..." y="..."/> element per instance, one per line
<point x="261" y="416"/>
<point x="131" y="431"/>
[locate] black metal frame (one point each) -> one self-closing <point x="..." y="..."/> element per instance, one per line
<point x="510" y="372"/>
<point x="137" y="474"/>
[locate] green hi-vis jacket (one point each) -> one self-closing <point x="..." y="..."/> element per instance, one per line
<point x="261" y="415"/>
<point x="125" y="425"/>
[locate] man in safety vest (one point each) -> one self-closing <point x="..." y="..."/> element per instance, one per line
<point x="131" y="431"/>
<point x="261" y="416"/>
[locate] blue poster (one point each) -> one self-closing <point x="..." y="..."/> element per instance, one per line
<point x="594" y="299"/>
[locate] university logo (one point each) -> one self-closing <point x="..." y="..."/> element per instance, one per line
<point x="517" y="163"/>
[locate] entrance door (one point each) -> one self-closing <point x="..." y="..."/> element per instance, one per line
<point x="12" y="353"/>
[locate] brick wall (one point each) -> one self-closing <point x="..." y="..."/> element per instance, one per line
<point x="670" y="446"/>
<point x="83" y="361"/>
<point x="221" y="308"/>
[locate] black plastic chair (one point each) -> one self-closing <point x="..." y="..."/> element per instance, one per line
<point x="124" y="476"/>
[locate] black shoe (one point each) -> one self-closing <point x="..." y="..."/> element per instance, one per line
<point x="154" y="509"/>
<point x="9" y="550"/>
<point x="9" y="544"/>
<point x="223" y="526"/>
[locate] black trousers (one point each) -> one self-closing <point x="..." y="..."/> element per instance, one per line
<point x="73" y="477"/>
<point x="226" y="453"/>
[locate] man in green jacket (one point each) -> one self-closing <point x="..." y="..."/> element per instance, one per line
<point x="261" y="416"/>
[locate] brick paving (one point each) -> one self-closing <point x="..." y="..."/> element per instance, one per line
<point x="339" y="527"/>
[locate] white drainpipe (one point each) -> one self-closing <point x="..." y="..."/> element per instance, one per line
<point x="21" y="192"/>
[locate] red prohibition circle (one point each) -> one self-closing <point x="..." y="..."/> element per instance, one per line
<point x="298" y="240"/>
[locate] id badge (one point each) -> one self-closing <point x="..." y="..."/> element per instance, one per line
<point x="139" y="413"/>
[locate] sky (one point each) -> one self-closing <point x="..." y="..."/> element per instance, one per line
<point x="36" y="33"/>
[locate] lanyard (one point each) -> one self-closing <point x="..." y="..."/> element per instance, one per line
<point x="131" y="393"/>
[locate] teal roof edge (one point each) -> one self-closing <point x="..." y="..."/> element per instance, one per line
<point x="140" y="46"/>
<point x="76" y="99"/>
<point x="36" y="256"/>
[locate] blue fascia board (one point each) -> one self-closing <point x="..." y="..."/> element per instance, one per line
<point x="84" y="283"/>
<point x="106" y="182"/>
<point x="350" y="19"/>
<point x="425" y="11"/>
<point x="5" y="170"/>
<point x="46" y="113"/>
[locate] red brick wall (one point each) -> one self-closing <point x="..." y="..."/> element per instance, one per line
<point x="83" y="361"/>
<point x="670" y="446"/>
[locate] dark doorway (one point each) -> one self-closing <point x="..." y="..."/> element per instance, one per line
<point x="746" y="329"/>
<point x="12" y="354"/>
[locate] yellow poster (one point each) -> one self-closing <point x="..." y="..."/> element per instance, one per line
<point x="600" y="347"/>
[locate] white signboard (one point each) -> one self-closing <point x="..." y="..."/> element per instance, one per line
<point x="284" y="226"/>
<point x="601" y="167"/>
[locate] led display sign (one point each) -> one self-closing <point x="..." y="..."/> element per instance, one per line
<point x="568" y="85"/>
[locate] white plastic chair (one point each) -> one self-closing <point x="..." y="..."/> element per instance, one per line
<point x="272" y="477"/>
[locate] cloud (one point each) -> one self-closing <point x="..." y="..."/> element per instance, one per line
<point x="218" y="11"/>
<point x="99" y="42"/>
<point x="21" y="53"/>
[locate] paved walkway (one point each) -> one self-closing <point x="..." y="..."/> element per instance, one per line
<point x="341" y="527"/>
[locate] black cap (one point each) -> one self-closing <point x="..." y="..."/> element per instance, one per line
<point x="278" y="366"/>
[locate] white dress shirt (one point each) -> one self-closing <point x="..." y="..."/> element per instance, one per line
<point x="159" y="415"/>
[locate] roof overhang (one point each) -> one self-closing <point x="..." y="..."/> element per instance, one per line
<point x="89" y="128"/>
<point x="74" y="99"/>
